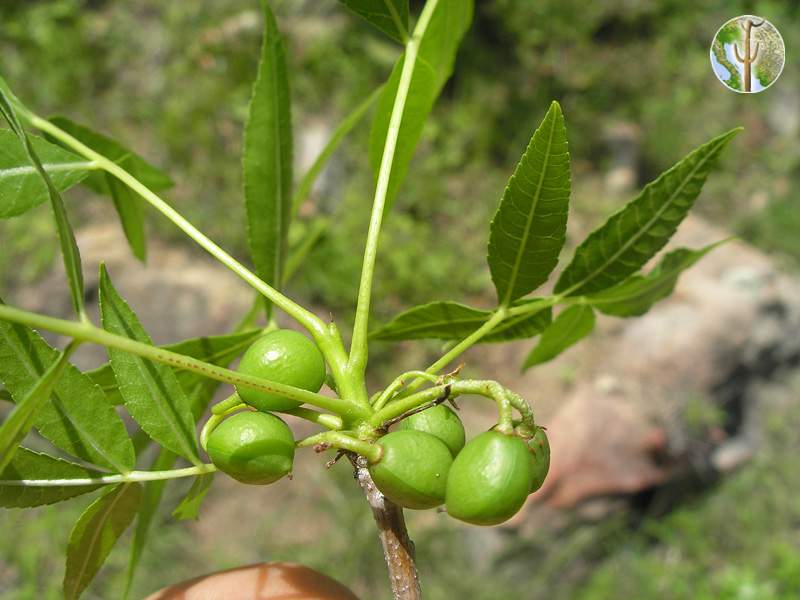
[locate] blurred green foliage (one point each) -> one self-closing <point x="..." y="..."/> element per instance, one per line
<point x="172" y="79"/>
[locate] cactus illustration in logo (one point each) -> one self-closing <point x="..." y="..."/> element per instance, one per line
<point x="748" y="54"/>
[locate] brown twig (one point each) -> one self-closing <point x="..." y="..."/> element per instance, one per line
<point x="398" y="549"/>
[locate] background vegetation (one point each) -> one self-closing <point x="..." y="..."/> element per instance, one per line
<point x="172" y="79"/>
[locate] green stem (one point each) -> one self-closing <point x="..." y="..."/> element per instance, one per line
<point x="485" y="388"/>
<point x="334" y="354"/>
<point x="345" y="127"/>
<point x="337" y="439"/>
<point x="85" y="331"/>
<point x="357" y="363"/>
<point x="324" y="419"/>
<point x="131" y="477"/>
<point x="398" y="383"/>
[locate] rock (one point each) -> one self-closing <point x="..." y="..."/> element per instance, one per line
<point x="677" y="388"/>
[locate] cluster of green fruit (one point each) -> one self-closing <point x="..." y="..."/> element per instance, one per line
<point x="423" y="464"/>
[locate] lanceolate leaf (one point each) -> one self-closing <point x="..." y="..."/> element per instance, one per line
<point x="637" y="294"/>
<point x="78" y="419"/>
<point x="69" y="248"/>
<point x="21" y="186"/>
<point x="218" y="350"/>
<point x="17" y="425"/>
<point x="267" y="161"/>
<point x="131" y="214"/>
<point x="529" y="228"/>
<point x="433" y="66"/>
<point x="151" y="176"/>
<point x="151" y="391"/>
<point x="390" y="16"/>
<point x="29" y="466"/>
<point x="636" y="233"/>
<point x="454" y="321"/>
<point x="568" y="328"/>
<point x="151" y="498"/>
<point x="189" y="507"/>
<point x="95" y="534"/>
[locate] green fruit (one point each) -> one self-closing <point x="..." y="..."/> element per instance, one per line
<point x="283" y="356"/>
<point x="441" y="421"/>
<point x="412" y="470"/>
<point x="540" y="458"/>
<point x="253" y="447"/>
<point x="489" y="480"/>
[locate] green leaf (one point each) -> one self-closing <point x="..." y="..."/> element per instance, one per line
<point x="131" y="214"/>
<point x="454" y="321"/>
<point x="390" y="16"/>
<point x="19" y="422"/>
<point x="267" y="161"/>
<point x="69" y="248"/>
<point x="219" y="350"/>
<point x="153" y="490"/>
<point x="529" y="227"/>
<point x="638" y="293"/>
<point x="96" y="532"/>
<point x="149" y="175"/>
<point x="432" y="68"/>
<point x="189" y="507"/>
<point x="633" y="235"/>
<point x="345" y="127"/>
<point x="21" y="186"/>
<point x="568" y="328"/>
<point x="151" y="391"/>
<point x="29" y="466"/>
<point x="78" y="419"/>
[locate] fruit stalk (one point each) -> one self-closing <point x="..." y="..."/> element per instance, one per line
<point x="398" y="549"/>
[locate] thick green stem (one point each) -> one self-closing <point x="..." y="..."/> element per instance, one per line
<point x="337" y="439"/>
<point x="89" y="333"/>
<point x="130" y="477"/>
<point x="359" y="349"/>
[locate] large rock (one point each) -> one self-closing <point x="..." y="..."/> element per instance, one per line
<point x="676" y="389"/>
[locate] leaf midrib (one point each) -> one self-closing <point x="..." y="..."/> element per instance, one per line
<point x="649" y="224"/>
<point x="529" y="222"/>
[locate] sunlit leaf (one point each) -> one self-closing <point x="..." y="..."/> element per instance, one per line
<point x="390" y="16"/>
<point x="28" y="466"/>
<point x="633" y="235"/>
<point x="568" y="328"/>
<point x="432" y="68"/>
<point x="78" y="419"/>
<point x="21" y="186"/>
<point x="529" y="227"/>
<point x="267" y="161"/>
<point x="96" y="532"/>
<point x="69" y="248"/>
<point x="454" y="321"/>
<point x="19" y="422"/>
<point x="151" y="391"/>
